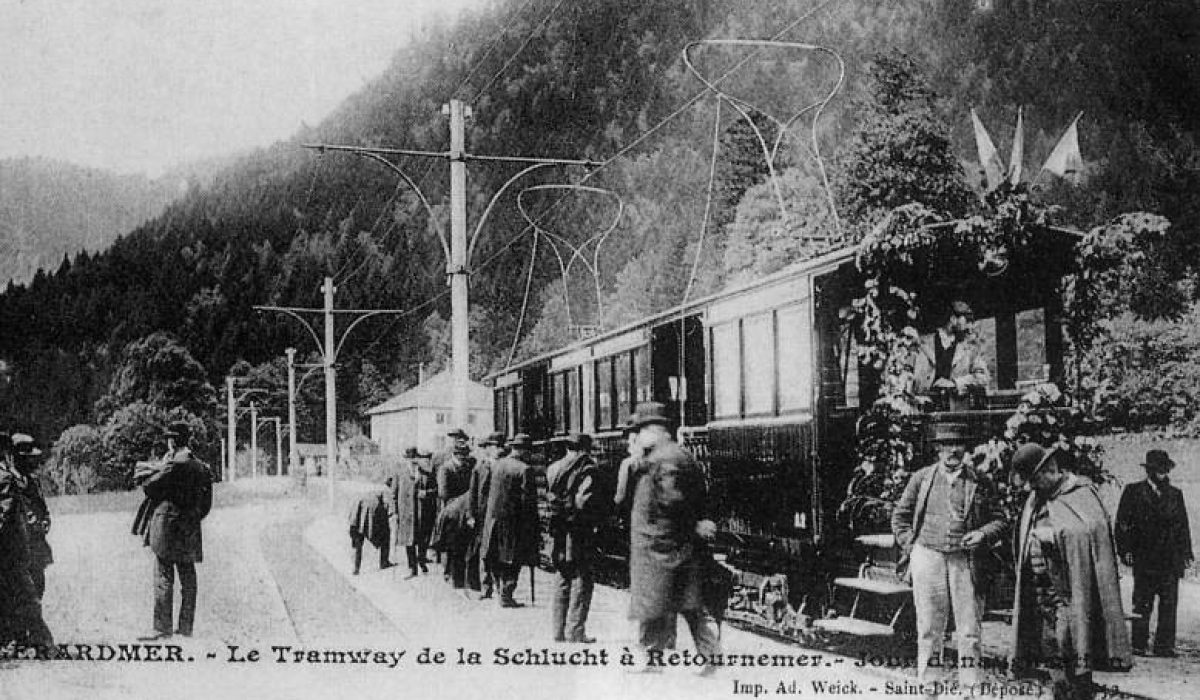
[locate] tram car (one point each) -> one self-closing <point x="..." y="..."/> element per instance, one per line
<point x="763" y="382"/>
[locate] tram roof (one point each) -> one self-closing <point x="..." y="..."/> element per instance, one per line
<point x="831" y="259"/>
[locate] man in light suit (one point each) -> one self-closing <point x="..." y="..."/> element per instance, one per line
<point x="950" y="361"/>
<point x="945" y="521"/>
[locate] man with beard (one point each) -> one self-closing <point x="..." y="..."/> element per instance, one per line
<point x="1153" y="537"/>
<point x="510" y="528"/>
<point x="1067" y="613"/>
<point x="21" y="618"/>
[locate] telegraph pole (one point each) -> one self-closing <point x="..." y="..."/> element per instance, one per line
<point x="460" y="342"/>
<point x="330" y="387"/>
<point x="253" y="439"/>
<point x="329" y="347"/>
<point x="457" y="249"/>
<point x="292" y="451"/>
<point x="230" y="430"/>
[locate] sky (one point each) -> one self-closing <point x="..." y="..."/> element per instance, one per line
<point x="137" y="86"/>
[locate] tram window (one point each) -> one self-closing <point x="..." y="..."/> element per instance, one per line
<point x="604" y="402"/>
<point x="623" y="385"/>
<point x="641" y="376"/>
<point x="1032" y="365"/>
<point x="985" y="335"/>
<point x="795" y="365"/>
<point x="561" y="399"/>
<point x="726" y="370"/>
<point x="759" y="364"/>
<point x="576" y="400"/>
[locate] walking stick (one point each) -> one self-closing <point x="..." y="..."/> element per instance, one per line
<point x="532" y="593"/>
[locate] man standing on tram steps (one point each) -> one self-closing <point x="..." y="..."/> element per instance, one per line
<point x="575" y="510"/>
<point x="179" y="497"/>
<point x="37" y="515"/>
<point x="669" y="538"/>
<point x="1154" y="539"/>
<point x="21" y="618"/>
<point x="945" y="521"/>
<point x="510" y="538"/>
<point x="411" y="501"/>
<point x="453" y="471"/>
<point x="479" y="577"/>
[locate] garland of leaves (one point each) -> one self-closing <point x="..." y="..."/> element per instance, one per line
<point x="907" y="243"/>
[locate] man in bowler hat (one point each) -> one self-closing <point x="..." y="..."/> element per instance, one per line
<point x="1154" y="539"/>
<point x="510" y="535"/>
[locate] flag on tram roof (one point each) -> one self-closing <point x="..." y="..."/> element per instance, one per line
<point x="1018" y="150"/>
<point x="989" y="158"/>
<point x="1066" y="160"/>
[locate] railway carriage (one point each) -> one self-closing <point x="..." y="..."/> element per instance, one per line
<point x="763" y="382"/>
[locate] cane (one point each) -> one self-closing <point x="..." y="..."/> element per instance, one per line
<point x="532" y="593"/>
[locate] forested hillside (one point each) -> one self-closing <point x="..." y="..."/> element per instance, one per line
<point x="602" y="81"/>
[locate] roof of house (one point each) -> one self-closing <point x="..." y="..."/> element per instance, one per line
<point x="437" y="392"/>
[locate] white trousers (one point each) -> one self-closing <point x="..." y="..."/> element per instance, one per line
<point x="941" y="581"/>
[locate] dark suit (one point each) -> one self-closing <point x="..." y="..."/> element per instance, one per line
<point x="180" y="497"/>
<point x="510" y="530"/>
<point x="1152" y="527"/>
<point x="20" y="604"/>
<point x="575" y="511"/>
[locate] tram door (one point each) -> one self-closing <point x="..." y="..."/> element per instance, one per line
<point x="677" y="359"/>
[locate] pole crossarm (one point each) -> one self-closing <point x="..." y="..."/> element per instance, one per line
<point x="293" y="313"/>
<point x="365" y="150"/>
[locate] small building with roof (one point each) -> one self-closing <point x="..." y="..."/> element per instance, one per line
<point x="423" y="415"/>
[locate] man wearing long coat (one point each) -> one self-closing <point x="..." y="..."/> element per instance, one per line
<point x="412" y="502"/>
<point x="575" y="511"/>
<point x="37" y="513"/>
<point x="479" y="577"/>
<point x="510" y="536"/>
<point x="1067" y="612"/>
<point x="20" y="604"/>
<point x="668" y="549"/>
<point x="453" y="471"/>
<point x="179" y="497"/>
<point x="369" y="523"/>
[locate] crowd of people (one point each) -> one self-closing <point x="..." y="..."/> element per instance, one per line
<point x="478" y="510"/>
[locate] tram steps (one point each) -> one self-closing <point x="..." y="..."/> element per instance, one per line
<point x="871" y="585"/>
<point x="855" y="626"/>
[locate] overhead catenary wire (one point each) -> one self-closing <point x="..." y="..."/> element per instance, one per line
<point x="541" y="25"/>
<point x="712" y="177"/>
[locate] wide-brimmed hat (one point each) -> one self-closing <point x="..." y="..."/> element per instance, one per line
<point x="628" y="426"/>
<point x="1030" y="458"/>
<point x="1158" y="461"/>
<point x="521" y="441"/>
<point x="23" y="444"/>
<point x="580" y="441"/>
<point x="649" y="413"/>
<point x="496" y="439"/>
<point x="178" y="429"/>
<point x="458" y="433"/>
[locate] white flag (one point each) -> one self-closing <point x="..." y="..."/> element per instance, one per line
<point x="1018" y="151"/>
<point x="989" y="158"/>
<point x="1065" y="160"/>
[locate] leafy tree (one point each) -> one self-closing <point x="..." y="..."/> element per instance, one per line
<point x="899" y="153"/>
<point x="75" y="460"/>
<point x="158" y="371"/>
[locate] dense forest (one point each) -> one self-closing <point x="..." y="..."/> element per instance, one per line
<point x="604" y="81"/>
